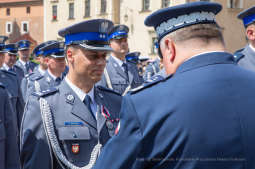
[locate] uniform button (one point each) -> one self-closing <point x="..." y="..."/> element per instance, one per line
<point x="74" y="135"/>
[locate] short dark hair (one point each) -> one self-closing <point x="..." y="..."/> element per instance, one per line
<point x="205" y="32"/>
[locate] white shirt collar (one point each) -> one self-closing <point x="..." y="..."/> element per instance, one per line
<point x="22" y="62"/>
<point x="120" y="62"/>
<point x="41" y="71"/>
<point x="252" y="48"/>
<point x="79" y="92"/>
<point x="6" y="67"/>
<point x="51" y="75"/>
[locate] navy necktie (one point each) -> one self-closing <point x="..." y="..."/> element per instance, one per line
<point x="11" y="69"/>
<point x="124" y="65"/>
<point x="87" y="102"/>
<point x="27" y="66"/>
<point x="58" y="80"/>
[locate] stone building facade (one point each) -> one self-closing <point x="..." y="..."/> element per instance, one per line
<point x="22" y="19"/>
<point x="61" y="13"/>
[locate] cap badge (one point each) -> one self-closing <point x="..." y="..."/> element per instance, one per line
<point x="104" y="27"/>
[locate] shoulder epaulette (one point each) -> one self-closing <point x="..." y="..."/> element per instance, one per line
<point x="16" y="66"/>
<point x="2" y="85"/>
<point x="238" y="55"/>
<point x="104" y="89"/>
<point x="28" y="75"/>
<point x="9" y="72"/>
<point x="34" y="78"/>
<point x="45" y="92"/>
<point x="154" y="78"/>
<point x="149" y="84"/>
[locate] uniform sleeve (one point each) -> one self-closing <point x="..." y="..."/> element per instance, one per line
<point x="124" y="149"/>
<point x="11" y="146"/>
<point x="23" y="87"/>
<point x="35" y="153"/>
<point x="20" y="107"/>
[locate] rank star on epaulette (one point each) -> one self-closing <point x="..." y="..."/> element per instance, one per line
<point x="75" y="148"/>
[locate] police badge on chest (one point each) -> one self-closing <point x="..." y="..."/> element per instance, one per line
<point x="75" y="148"/>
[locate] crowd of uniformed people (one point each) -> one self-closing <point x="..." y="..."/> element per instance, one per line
<point x="88" y="102"/>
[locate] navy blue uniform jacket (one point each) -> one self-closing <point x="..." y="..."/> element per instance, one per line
<point x="200" y="118"/>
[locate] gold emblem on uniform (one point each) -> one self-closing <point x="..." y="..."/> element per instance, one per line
<point x="75" y="148"/>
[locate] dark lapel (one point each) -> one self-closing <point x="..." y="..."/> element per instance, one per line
<point x="205" y="60"/>
<point x="115" y="66"/>
<point x="78" y="108"/>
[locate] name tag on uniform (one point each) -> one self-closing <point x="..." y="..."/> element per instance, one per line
<point x="72" y="123"/>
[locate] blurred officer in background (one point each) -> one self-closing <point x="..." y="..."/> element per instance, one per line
<point x="119" y="75"/>
<point x="9" y="149"/>
<point x="10" y="56"/>
<point x="24" y="55"/>
<point x="29" y="81"/>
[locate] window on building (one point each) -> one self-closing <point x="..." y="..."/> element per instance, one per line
<point x="235" y="4"/>
<point x="87" y="8"/>
<point x="165" y="3"/>
<point x="54" y="12"/>
<point x="28" y="9"/>
<point x="24" y="27"/>
<point x="8" y="11"/>
<point x="8" y="27"/>
<point x="71" y="10"/>
<point x="103" y="6"/>
<point x="146" y="5"/>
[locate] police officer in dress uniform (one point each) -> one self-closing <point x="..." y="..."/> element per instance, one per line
<point x="52" y="54"/>
<point x="10" y="80"/>
<point x="28" y="80"/>
<point x="9" y="150"/>
<point x="245" y="57"/>
<point x="2" y="46"/>
<point x="201" y="119"/>
<point x="10" y="60"/>
<point x="119" y="75"/>
<point x="24" y="53"/>
<point x="65" y="127"/>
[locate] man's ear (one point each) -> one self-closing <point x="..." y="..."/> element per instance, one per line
<point x="47" y="59"/>
<point x="170" y="51"/>
<point x="69" y="55"/>
<point x="250" y="32"/>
